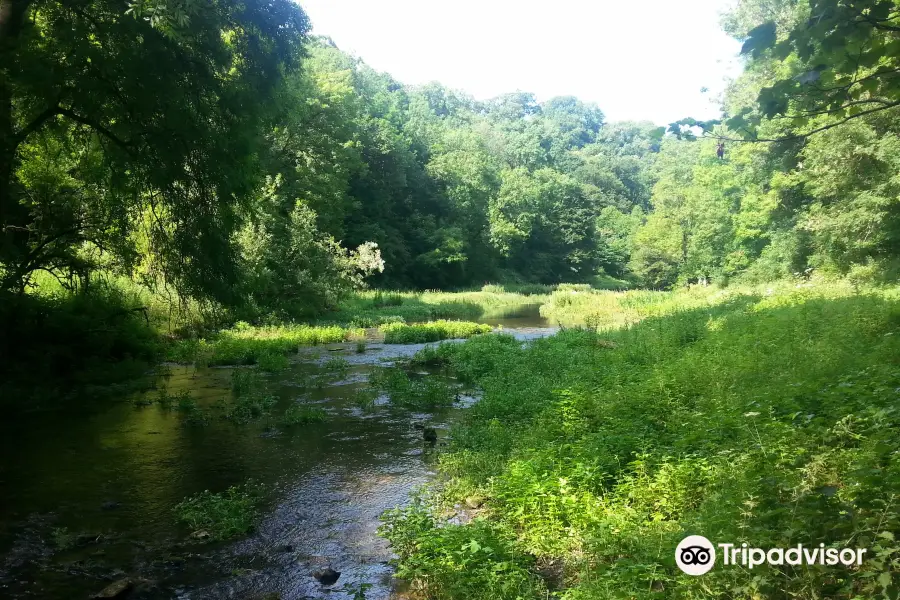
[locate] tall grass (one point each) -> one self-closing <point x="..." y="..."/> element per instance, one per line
<point x="398" y="333"/>
<point x="244" y="344"/>
<point x="375" y="308"/>
<point x="767" y="416"/>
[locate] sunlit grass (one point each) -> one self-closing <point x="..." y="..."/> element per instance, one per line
<point x="398" y="333"/>
<point x="761" y="414"/>
<point x="244" y="344"/>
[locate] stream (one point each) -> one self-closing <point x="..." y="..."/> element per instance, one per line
<point x="107" y="479"/>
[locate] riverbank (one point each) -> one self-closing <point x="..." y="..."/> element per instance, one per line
<point x="571" y="464"/>
<point x="300" y="452"/>
<point x="766" y="416"/>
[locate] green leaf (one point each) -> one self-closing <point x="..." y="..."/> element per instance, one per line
<point x="760" y="38"/>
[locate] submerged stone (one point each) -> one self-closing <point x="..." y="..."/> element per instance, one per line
<point x="116" y="589"/>
<point x="326" y="576"/>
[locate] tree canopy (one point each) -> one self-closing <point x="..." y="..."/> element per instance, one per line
<point x="219" y="148"/>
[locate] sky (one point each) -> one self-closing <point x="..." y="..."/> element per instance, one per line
<point x="637" y="59"/>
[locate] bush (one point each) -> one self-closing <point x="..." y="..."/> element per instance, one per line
<point x="246" y="345"/>
<point x="388" y="299"/>
<point x="224" y="515"/>
<point x="98" y="335"/>
<point x="250" y="407"/>
<point x="449" y="561"/>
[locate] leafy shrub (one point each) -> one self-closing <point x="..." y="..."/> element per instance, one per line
<point x="450" y="561"/>
<point x="250" y="407"/>
<point x="247" y="345"/>
<point x="332" y="370"/>
<point x="365" y="398"/>
<point x="223" y="515"/>
<point x="62" y="538"/>
<point x="98" y="335"/>
<point x="243" y="381"/>
<point x="182" y="401"/>
<point x="186" y="403"/>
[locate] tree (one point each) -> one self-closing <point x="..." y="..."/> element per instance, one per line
<point x="839" y="60"/>
<point x="152" y="123"/>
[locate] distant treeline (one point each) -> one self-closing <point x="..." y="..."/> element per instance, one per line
<point x="220" y="149"/>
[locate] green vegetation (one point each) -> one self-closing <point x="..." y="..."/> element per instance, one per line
<point x="243" y="381"/>
<point x="364" y="309"/>
<point x="249" y="407"/>
<point x="303" y="415"/>
<point x="62" y="538"/>
<point x="222" y="515"/>
<point x="182" y="401"/>
<point x="398" y="333"/>
<point x="416" y="393"/>
<point x="365" y="398"/>
<point x="111" y="236"/>
<point x="247" y="345"/>
<point x="275" y="192"/>
<point x="765" y="417"/>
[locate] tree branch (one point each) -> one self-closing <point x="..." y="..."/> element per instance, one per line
<point x="36" y="124"/>
<point x="801" y="136"/>
<point x="126" y="146"/>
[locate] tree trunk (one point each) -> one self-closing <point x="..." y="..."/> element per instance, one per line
<point x="12" y="18"/>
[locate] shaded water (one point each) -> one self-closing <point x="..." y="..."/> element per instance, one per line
<point x="109" y="481"/>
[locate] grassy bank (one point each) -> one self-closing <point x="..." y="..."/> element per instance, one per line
<point x="374" y="308"/>
<point x="244" y="344"/>
<point x="398" y="333"/>
<point x="763" y="416"/>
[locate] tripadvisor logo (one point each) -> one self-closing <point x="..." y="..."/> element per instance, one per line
<point x="696" y="555"/>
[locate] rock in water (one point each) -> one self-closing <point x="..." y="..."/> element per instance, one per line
<point x="327" y="576"/>
<point x="430" y="435"/>
<point x="116" y="589"/>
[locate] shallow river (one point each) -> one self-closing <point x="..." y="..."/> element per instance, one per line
<point x="107" y="481"/>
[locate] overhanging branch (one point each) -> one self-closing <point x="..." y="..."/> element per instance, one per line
<point x="800" y="136"/>
<point x="126" y="146"/>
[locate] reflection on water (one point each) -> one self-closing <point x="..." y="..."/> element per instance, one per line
<point x="109" y="481"/>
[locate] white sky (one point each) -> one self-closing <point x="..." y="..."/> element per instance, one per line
<point x="644" y="59"/>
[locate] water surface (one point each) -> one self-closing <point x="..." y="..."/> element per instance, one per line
<point x="109" y="478"/>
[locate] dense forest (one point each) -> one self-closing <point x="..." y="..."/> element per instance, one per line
<point x="220" y="150"/>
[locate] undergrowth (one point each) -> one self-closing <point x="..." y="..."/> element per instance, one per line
<point x="303" y="415"/>
<point x="222" y="515"/>
<point x="244" y="344"/>
<point x="768" y="417"/>
<point x="424" y="393"/>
